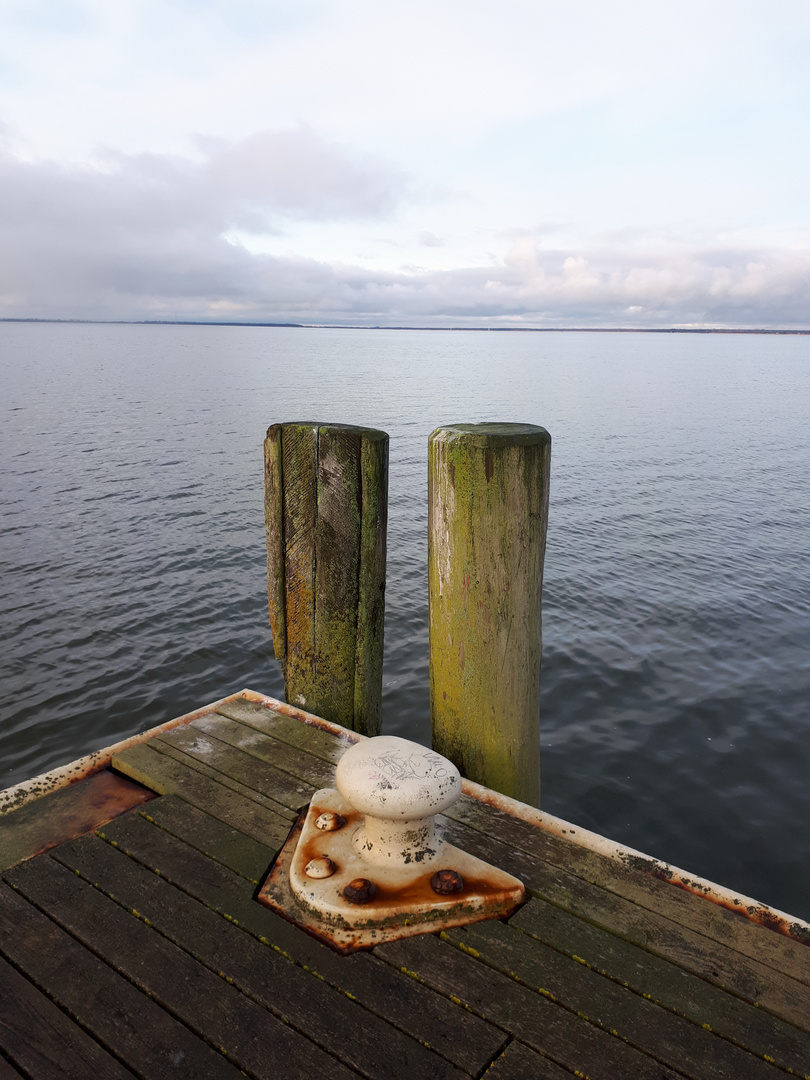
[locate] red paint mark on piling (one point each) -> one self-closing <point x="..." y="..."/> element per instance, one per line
<point x="489" y="467"/>
<point x="461" y="656"/>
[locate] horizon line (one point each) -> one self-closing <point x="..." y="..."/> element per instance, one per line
<point x="478" y="329"/>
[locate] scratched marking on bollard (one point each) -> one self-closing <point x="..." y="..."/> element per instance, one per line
<point x="365" y="863"/>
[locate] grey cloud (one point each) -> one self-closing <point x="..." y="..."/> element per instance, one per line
<point x="147" y="230"/>
<point x="718" y="287"/>
<point x="143" y="237"/>
<point x="301" y="174"/>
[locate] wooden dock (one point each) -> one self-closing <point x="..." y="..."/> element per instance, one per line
<point x="136" y="947"/>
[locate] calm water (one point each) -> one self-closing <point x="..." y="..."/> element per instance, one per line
<point x="677" y="602"/>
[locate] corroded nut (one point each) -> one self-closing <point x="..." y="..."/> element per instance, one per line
<point x="320" y="867"/>
<point x="360" y="891"/>
<point x="445" y="882"/>
<point x="329" y="822"/>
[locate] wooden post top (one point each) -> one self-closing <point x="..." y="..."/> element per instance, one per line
<point x="373" y="434"/>
<point x="493" y="434"/>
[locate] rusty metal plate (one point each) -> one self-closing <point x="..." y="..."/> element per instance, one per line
<point x="66" y="813"/>
<point x="402" y="901"/>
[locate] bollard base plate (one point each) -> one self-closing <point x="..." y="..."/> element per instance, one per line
<point x="403" y="902"/>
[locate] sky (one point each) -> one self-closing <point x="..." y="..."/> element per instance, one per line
<point x="526" y="164"/>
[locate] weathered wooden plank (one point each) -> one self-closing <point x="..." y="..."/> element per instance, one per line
<point x="371" y="583"/>
<point x="730" y="970"/>
<point x="518" y="1062"/>
<point x="7" y="1070"/>
<point x="712" y="920"/>
<point x="104" y="1003"/>
<point x="252" y="775"/>
<point x="632" y="881"/>
<point x="42" y="1041"/>
<point x="535" y="1020"/>
<point x="326" y="512"/>
<point x="710" y="961"/>
<point x="666" y="984"/>
<point x="65" y="813"/>
<point x="246" y="1033"/>
<point x="436" y="1022"/>
<point x="244" y="791"/>
<point x="212" y="837"/>
<point x="337" y="567"/>
<point x="298" y="763"/>
<point x="299" y="455"/>
<point x="471" y="844"/>
<point x="274" y="531"/>
<point x="178" y="862"/>
<point x="166" y="775"/>
<point x="656" y="1031"/>
<point x="359" y="1038"/>
<point x="286" y="729"/>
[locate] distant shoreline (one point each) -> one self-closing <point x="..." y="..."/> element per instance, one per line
<point x="475" y="329"/>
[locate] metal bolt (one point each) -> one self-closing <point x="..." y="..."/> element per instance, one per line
<point x="446" y="881"/>
<point x="329" y="822"/>
<point x="320" y="867"/>
<point x="360" y="891"/>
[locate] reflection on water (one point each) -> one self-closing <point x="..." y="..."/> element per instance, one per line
<point x="677" y="597"/>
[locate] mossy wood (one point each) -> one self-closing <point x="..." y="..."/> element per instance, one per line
<point x="326" y="510"/>
<point x="488" y="512"/>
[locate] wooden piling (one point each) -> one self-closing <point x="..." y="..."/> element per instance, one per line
<point x="488" y="512"/>
<point x="326" y="509"/>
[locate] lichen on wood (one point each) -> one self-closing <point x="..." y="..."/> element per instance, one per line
<point x="326" y="490"/>
<point x="488" y="512"/>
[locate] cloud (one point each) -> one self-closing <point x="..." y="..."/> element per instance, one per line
<point x="151" y="229"/>
<point x="696" y="288"/>
<point x="299" y="173"/>
<point x="146" y="236"/>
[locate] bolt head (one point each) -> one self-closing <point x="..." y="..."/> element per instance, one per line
<point x="360" y="891"/>
<point x="446" y="882"/>
<point x="320" y="867"/>
<point x="329" y="822"/>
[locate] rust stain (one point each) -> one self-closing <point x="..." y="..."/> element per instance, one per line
<point x="780" y="922"/>
<point x="395" y="910"/>
<point x="489" y="467"/>
<point x="447" y="882"/>
<point x="756" y="913"/>
<point x="360" y="891"/>
<point x="295" y="713"/>
<point x="15" y="797"/>
<point x="94" y="801"/>
<point x="422" y="892"/>
<point x="419" y="891"/>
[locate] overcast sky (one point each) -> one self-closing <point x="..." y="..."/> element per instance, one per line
<point x="533" y="163"/>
